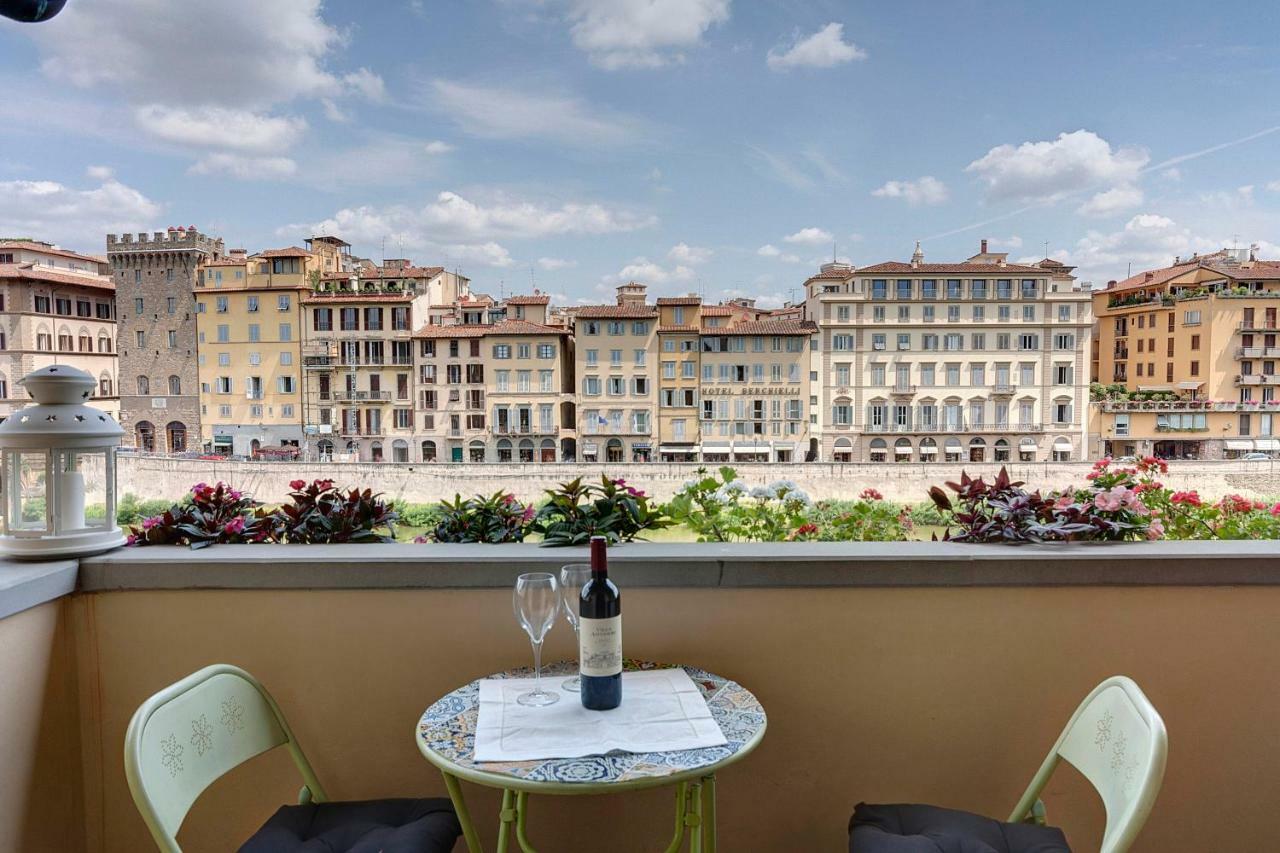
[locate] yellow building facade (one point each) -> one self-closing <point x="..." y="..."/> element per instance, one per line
<point x="1187" y="360"/>
<point x="249" y="335"/>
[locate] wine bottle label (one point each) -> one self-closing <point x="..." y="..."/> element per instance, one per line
<point x="600" y="646"/>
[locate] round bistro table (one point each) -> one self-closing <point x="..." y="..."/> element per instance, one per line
<point x="446" y="737"/>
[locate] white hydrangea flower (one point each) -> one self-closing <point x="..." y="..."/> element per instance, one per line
<point x="763" y="493"/>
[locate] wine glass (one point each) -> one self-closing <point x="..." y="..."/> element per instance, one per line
<point x="536" y="601"/>
<point x="573" y="578"/>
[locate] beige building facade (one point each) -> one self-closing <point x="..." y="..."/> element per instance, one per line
<point x="56" y="307"/>
<point x="980" y="360"/>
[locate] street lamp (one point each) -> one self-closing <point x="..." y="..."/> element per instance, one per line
<point x="58" y="470"/>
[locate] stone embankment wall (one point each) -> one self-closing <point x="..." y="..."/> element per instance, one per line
<point x="167" y="478"/>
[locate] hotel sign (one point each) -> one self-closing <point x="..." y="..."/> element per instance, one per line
<point x="751" y="391"/>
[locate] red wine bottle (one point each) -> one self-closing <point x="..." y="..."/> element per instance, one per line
<point x="600" y="635"/>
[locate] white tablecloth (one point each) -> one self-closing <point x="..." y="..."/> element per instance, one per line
<point x="662" y="710"/>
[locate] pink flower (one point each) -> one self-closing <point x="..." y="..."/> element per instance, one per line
<point x="1189" y="498"/>
<point x="1064" y="502"/>
<point x="131" y="539"/>
<point x="296" y="485"/>
<point x="234" y="527"/>
<point x="148" y="523"/>
<point x="870" y="494"/>
<point x="1155" y="529"/>
<point x="1275" y="510"/>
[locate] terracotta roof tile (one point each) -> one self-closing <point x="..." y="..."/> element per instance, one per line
<point x="456" y="331"/>
<point x="833" y="275"/>
<point x="637" y="312"/>
<point x="226" y="262"/>
<point x="765" y="327"/>
<point x="680" y="300"/>
<point x="1159" y="277"/>
<point x="718" y="311"/>
<point x="30" y="272"/>
<point x="32" y="246"/>
<point x="290" y="252"/>
<point x="475" y="330"/>
<point x="685" y="329"/>
<point x="537" y="299"/>
<point x="959" y="268"/>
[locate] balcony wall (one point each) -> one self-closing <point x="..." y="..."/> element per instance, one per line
<point x="900" y="672"/>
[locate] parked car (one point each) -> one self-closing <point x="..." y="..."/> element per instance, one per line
<point x="1255" y="457"/>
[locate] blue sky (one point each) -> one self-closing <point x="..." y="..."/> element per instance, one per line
<point x="719" y="146"/>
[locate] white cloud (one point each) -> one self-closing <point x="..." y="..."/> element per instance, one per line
<point x="1049" y="170"/>
<point x="488" y="254"/>
<point x="437" y="146"/>
<point x="824" y="49"/>
<point x="1013" y="241"/>
<point x="365" y="83"/>
<point x="810" y="237"/>
<point x="1112" y="201"/>
<point x="553" y="264"/>
<point x="644" y="270"/>
<point x="220" y="127"/>
<point x="100" y="173"/>
<point x="1147" y="240"/>
<point x="928" y="190"/>
<point x="1274" y="186"/>
<point x="242" y="53"/>
<point x="77" y="218"/>
<point x="683" y="253"/>
<point x="494" y="112"/>
<point x="641" y="33"/>
<point x="768" y="250"/>
<point x="1173" y="173"/>
<point x="452" y="218"/>
<point x="244" y="167"/>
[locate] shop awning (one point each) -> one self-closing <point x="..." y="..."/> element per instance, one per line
<point x="677" y="448"/>
<point x="784" y="445"/>
<point x="1190" y="386"/>
<point x="1239" y="444"/>
<point x="1061" y="444"/>
<point x="1266" y="444"/>
<point x="1027" y="444"/>
<point x="902" y="451"/>
<point x="715" y="446"/>
<point x="640" y="445"/>
<point x="1155" y="387"/>
<point x="928" y="450"/>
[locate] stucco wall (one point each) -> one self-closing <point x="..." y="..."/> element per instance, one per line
<point x="948" y="695"/>
<point x="158" y="477"/>
<point x="40" y="787"/>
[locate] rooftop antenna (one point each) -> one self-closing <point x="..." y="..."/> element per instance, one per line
<point x="833" y="251"/>
<point x="384" y="250"/>
<point x="1130" y="273"/>
<point x="533" y="282"/>
<point x="1046" y="248"/>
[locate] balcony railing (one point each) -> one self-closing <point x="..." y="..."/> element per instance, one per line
<point x="523" y="430"/>
<point x="1257" y="326"/>
<point x="1258" y="379"/>
<point x="363" y="396"/>
<point x="1258" y="352"/>
<point x="903" y="388"/>
<point x="1004" y="389"/>
<point x="358" y="432"/>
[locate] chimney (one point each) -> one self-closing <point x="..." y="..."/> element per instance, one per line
<point x="1150" y="275"/>
<point x="984" y="246"/>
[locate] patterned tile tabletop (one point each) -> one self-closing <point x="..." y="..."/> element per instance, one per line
<point x="448" y="730"/>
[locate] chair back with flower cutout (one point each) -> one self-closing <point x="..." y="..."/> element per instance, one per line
<point x="189" y="734"/>
<point x="1117" y="740"/>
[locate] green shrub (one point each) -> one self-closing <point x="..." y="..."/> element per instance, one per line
<point x="575" y="512"/>
<point x="492" y="520"/>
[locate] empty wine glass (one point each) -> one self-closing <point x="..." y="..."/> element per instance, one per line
<point x="536" y="602"/>
<point x="572" y="579"/>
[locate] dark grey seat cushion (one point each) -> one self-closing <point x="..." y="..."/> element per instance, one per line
<point x="930" y="829"/>
<point x="370" y="826"/>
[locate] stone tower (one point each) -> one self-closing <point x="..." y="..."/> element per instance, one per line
<point x="158" y="380"/>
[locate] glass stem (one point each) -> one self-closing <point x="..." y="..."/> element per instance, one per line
<point x="537" y="667"/>
<point x="578" y="643"/>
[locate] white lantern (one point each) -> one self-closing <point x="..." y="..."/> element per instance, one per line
<point x="59" y="470"/>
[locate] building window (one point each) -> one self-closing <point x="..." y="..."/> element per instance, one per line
<point x="1195" y="368"/>
<point x="221" y="305"/>
<point x="175" y="386"/>
<point x="144" y="386"/>
<point x="1191" y="318"/>
<point x="282" y="302"/>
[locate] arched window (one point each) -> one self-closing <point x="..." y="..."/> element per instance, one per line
<point x="177" y="433"/>
<point x="4" y="386"/>
<point x="952" y="450"/>
<point x="104" y="384"/>
<point x="1062" y="449"/>
<point x="428" y="451"/>
<point x="977" y="450"/>
<point x="1027" y="449"/>
<point x="504" y="450"/>
<point x="325" y="449"/>
<point x="104" y="343"/>
<point x="547" y="451"/>
<point x="375" y="451"/>
<point x="144" y="386"/>
<point x="613" y="450"/>
<point x="526" y="450"/>
<point x="1001" y="450"/>
<point x="399" y="450"/>
<point x="928" y="450"/>
<point x="175" y="385"/>
<point x="902" y="450"/>
<point x="476" y="450"/>
<point x="843" y="450"/>
<point x="879" y="450"/>
<point x="144" y="436"/>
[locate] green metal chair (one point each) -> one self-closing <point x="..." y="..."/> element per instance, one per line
<point x="192" y="732"/>
<point x="1117" y="740"/>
